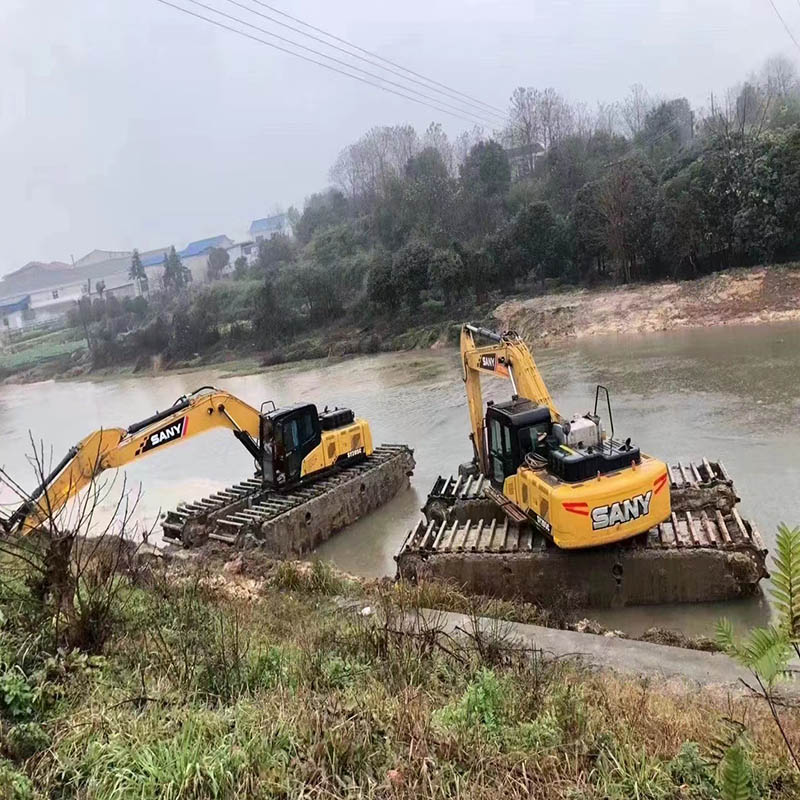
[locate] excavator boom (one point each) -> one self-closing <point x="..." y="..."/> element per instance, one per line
<point x="111" y="448"/>
<point x="507" y="356"/>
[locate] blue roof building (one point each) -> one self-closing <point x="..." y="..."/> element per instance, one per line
<point x="11" y="306"/>
<point x="268" y="227"/>
<point x="153" y="259"/>
<point x="202" y="246"/>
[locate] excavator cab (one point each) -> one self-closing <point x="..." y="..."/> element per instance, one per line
<point x="288" y="435"/>
<point x="515" y="430"/>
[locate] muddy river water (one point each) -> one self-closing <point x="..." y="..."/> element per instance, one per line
<point x="728" y="393"/>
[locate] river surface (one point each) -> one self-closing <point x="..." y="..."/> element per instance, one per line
<point x="727" y="393"/>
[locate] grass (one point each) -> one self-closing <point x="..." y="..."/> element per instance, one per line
<point x="37" y="351"/>
<point x="206" y="690"/>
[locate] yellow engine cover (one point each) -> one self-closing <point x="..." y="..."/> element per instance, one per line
<point x="340" y="444"/>
<point x="602" y="510"/>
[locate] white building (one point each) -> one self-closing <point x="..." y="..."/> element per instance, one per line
<point x="246" y="250"/>
<point x="266" y="228"/>
<point x="48" y="291"/>
<point x="195" y="255"/>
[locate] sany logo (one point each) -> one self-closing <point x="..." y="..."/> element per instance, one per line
<point x="621" y="511"/>
<point x="166" y="434"/>
<point x="488" y="361"/>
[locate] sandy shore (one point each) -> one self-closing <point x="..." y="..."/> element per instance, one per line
<point x="742" y="296"/>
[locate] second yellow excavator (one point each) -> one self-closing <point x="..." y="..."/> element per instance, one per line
<point x="579" y="486"/>
<point x="292" y="446"/>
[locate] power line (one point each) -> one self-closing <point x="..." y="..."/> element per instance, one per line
<point x="783" y="21"/>
<point x="312" y="60"/>
<point x="427" y="83"/>
<point x="440" y="103"/>
<point x="375" y="55"/>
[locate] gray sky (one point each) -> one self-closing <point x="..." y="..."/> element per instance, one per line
<point x="126" y="124"/>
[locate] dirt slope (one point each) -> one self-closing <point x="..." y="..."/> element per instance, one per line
<point x="743" y="296"/>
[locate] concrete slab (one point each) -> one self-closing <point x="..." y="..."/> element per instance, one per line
<point x="626" y="656"/>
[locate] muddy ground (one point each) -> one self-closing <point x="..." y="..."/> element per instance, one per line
<point x="734" y="297"/>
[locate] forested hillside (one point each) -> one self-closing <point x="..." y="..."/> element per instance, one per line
<point x="640" y="190"/>
<point x="416" y="227"/>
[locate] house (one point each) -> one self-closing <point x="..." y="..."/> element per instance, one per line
<point x="246" y="250"/>
<point x="52" y="289"/>
<point x="522" y="159"/>
<point x="266" y="228"/>
<point x="195" y="255"/>
<point x="98" y="256"/>
<point x="13" y="312"/>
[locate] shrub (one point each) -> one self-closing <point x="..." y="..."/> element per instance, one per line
<point x="482" y="705"/>
<point x="690" y="769"/>
<point x="14" y="785"/>
<point x="26" y="739"/>
<point x="17" y="696"/>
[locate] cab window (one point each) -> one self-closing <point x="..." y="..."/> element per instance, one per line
<point x="529" y="438"/>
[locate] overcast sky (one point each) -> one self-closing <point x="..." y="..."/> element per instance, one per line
<point x="124" y="123"/>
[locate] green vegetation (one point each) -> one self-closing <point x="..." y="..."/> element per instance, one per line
<point x="199" y="687"/>
<point x="768" y="652"/>
<point x="37" y="350"/>
<point x="418" y="231"/>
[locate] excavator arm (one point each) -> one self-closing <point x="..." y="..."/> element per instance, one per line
<point x="507" y="356"/>
<point x="111" y="448"/>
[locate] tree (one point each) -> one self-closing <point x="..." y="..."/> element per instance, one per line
<point x="270" y="321"/>
<point x="137" y="272"/>
<point x="410" y="271"/>
<point x="176" y="276"/>
<point x="364" y="168"/>
<point x="446" y="273"/>
<point x="275" y="252"/>
<point x="218" y="259"/>
<point x="382" y="288"/>
<point x="436" y="138"/>
<point x="485" y="179"/>
<point x="321" y="210"/>
<point x="100" y="288"/>
<point x="534" y="243"/>
<point x="486" y="170"/>
<point x="591" y="242"/>
<point x="668" y="127"/>
<point x="240" y="268"/>
<point x="634" y="109"/>
<point x="419" y="203"/>
<point x="627" y="204"/>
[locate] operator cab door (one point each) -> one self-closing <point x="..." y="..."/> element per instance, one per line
<point x="503" y="461"/>
<point x="288" y="437"/>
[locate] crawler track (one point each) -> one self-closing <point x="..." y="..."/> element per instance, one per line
<point x="247" y="512"/>
<point x="684" y="530"/>
<point x="705" y="551"/>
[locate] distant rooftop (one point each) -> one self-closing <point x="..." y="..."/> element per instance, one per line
<point x="20" y="304"/>
<point x="35" y="276"/>
<point x="203" y="246"/>
<point x="273" y="224"/>
<point x="154" y="257"/>
<point x="38" y="266"/>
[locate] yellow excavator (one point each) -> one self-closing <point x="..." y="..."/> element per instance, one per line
<point x="577" y="485"/>
<point x="292" y="446"/>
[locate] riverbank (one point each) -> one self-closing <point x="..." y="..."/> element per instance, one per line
<point x="735" y="297"/>
<point x="208" y="687"/>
